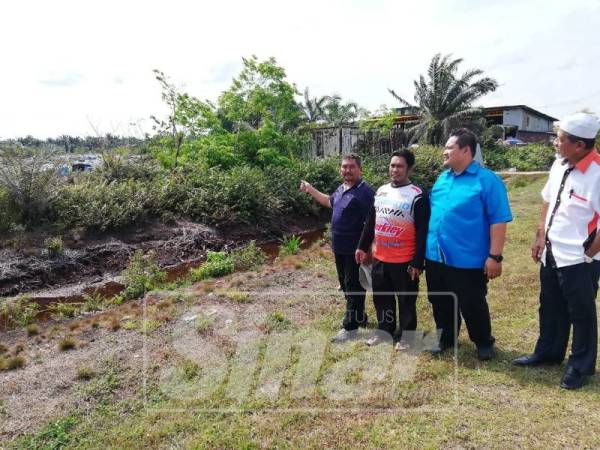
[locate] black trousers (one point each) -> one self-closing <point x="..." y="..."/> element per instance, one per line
<point x="387" y="279"/>
<point x="470" y="288"/>
<point x="347" y="271"/>
<point x="568" y="297"/>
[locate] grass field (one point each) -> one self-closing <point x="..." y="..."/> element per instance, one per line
<point x="420" y="401"/>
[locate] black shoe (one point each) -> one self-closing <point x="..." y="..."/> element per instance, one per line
<point x="532" y="360"/>
<point x="485" y="352"/>
<point x="440" y="348"/>
<point x="572" y="379"/>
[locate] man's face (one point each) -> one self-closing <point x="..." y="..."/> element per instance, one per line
<point x="567" y="149"/>
<point x="453" y="155"/>
<point x="399" y="170"/>
<point x="350" y="171"/>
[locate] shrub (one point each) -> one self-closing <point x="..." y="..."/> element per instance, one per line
<point x="31" y="185"/>
<point x="20" y="311"/>
<point x="16" y="362"/>
<point x="249" y="257"/>
<point x="142" y="275"/>
<point x="217" y="264"/>
<point x="54" y="246"/>
<point x="104" y="205"/>
<point x="525" y="158"/>
<point x="32" y="329"/>
<point x="64" y="310"/>
<point x="66" y="344"/>
<point x="84" y="373"/>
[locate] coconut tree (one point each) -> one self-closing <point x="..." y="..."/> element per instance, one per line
<point x="338" y="114"/>
<point x="314" y="108"/>
<point x="444" y="100"/>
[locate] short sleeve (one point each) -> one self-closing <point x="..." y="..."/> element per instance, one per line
<point x="496" y="202"/>
<point x="546" y="191"/>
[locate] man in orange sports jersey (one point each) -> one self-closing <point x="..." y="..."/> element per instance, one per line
<point x="396" y="228"/>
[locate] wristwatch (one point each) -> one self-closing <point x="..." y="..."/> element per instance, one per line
<point x="588" y="259"/>
<point x="497" y="258"/>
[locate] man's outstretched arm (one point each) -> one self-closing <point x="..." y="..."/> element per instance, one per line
<point x="322" y="199"/>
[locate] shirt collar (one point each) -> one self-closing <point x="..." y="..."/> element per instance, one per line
<point x="358" y="184"/>
<point x="471" y="168"/>
<point x="591" y="157"/>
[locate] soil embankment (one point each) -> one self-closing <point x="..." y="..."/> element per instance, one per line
<point x="90" y="261"/>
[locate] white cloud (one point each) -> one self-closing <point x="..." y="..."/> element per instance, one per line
<point x="101" y="54"/>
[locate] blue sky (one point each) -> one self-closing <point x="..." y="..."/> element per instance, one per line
<point x="82" y="67"/>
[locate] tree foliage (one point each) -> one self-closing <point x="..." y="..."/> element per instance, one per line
<point x="444" y="100"/>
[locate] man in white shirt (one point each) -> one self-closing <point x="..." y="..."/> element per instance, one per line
<point x="568" y="245"/>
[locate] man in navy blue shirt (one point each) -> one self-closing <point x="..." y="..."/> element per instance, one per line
<point x="467" y="229"/>
<point x="351" y="203"/>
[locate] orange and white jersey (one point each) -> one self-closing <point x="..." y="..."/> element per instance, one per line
<point x="395" y="235"/>
<point x="576" y="217"/>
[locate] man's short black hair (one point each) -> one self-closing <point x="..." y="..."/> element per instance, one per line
<point x="408" y="156"/>
<point x="464" y="138"/>
<point x="353" y="156"/>
<point x="589" y="143"/>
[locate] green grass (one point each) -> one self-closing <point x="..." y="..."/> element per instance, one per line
<point x="468" y="405"/>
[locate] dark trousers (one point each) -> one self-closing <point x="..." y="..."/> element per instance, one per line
<point x="470" y="288"/>
<point x="568" y="297"/>
<point x="347" y="271"/>
<point x="391" y="281"/>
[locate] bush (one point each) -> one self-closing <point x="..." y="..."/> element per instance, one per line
<point x="54" y="246"/>
<point x="249" y="257"/>
<point x="104" y="205"/>
<point x="30" y="185"/>
<point x="290" y="245"/>
<point x="142" y="274"/>
<point x="525" y="158"/>
<point x="242" y="195"/>
<point x="217" y="264"/>
<point x="20" y="311"/>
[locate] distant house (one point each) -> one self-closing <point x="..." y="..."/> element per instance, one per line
<point x="521" y="122"/>
<point x="518" y="121"/>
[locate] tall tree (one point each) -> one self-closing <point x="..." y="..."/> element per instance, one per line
<point x="314" y="108"/>
<point x="445" y="100"/>
<point x="338" y="114"/>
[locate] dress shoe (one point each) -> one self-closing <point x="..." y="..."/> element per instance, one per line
<point x="532" y="360"/>
<point x="572" y="379"/>
<point x="485" y="352"/>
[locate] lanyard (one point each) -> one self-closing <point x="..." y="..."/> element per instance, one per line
<point x="550" y="256"/>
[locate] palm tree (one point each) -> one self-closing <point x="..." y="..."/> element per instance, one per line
<point x="445" y="100"/>
<point x="338" y="114"/>
<point x="314" y="108"/>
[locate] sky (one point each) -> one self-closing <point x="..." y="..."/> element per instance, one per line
<point x="85" y="67"/>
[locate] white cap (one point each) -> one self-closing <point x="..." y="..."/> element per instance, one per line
<point x="581" y="125"/>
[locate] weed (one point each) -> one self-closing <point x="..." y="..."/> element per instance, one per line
<point x="84" y="373"/>
<point x="190" y="370"/>
<point x="130" y="325"/>
<point x="217" y="264"/>
<point x="290" y="245"/>
<point x="54" y="246"/>
<point x="93" y="302"/>
<point x="204" y="322"/>
<point x="114" y="324"/>
<point x="142" y="275"/>
<point x="64" y="310"/>
<point x="32" y="329"/>
<point x="148" y="326"/>
<point x="16" y="362"/>
<point x="276" y="321"/>
<point x="249" y="257"/>
<point x="235" y="296"/>
<point x="101" y="388"/>
<point x="67" y="344"/>
<point x="21" y="311"/>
